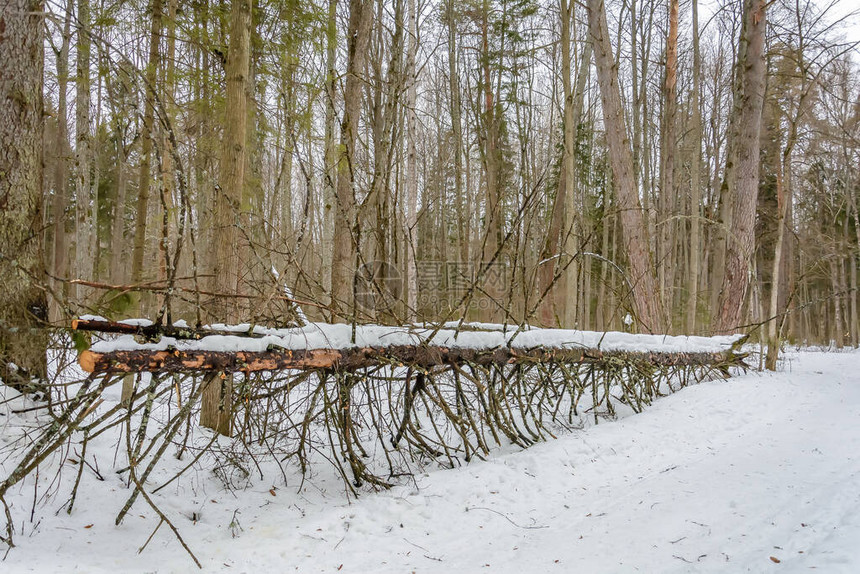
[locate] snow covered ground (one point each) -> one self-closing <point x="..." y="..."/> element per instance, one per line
<point x="757" y="474"/>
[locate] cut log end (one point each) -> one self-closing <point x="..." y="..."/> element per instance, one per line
<point x="87" y="361"/>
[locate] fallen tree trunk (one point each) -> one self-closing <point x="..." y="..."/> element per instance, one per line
<point x="422" y="356"/>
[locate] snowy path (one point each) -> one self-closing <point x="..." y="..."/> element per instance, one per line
<point x="721" y="477"/>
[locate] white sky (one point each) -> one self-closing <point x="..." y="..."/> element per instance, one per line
<point x="845" y="11"/>
<point x="849" y="12"/>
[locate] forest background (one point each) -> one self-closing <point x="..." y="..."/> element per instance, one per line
<point x="691" y="168"/>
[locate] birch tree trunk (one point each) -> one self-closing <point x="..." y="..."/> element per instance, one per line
<point x="643" y="282"/>
<point x="412" y="162"/>
<point x="773" y="307"/>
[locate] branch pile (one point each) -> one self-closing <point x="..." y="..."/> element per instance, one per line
<point x="375" y="402"/>
<point x="444" y="393"/>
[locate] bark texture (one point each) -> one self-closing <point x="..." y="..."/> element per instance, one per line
<point x="216" y="408"/>
<point x="344" y="248"/>
<point x="22" y="304"/>
<point x="143" y="191"/>
<point x="743" y="185"/>
<point x="695" y="180"/>
<point x="362" y="357"/>
<point x="646" y="302"/>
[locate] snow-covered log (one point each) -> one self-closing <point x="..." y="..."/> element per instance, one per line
<point x="324" y="346"/>
<point x="175" y="360"/>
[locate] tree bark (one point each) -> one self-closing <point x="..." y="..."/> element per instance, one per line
<point x="669" y="200"/>
<point x="743" y="185"/>
<point x="22" y="304"/>
<point x="227" y="266"/>
<point x="695" y="180"/>
<point x="492" y="168"/>
<point x="144" y="175"/>
<point x="330" y="152"/>
<point x="60" y="201"/>
<point x="838" y="330"/>
<point x="168" y="97"/>
<point x="457" y="132"/>
<point x="83" y="226"/>
<point x="145" y="178"/>
<point x="412" y="162"/>
<point x="562" y="236"/>
<point x="646" y="301"/>
<point x="344" y="246"/>
<point x="568" y="166"/>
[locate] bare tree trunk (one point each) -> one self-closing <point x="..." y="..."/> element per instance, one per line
<point x="61" y="184"/>
<point x="492" y="166"/>
<point x="94" y="245"/>
<point x="168" y="95"/>
<point x="837" y="330"/>
<point x="636" y="104"/>
<point x="83" y="256"/>
<point x="773" y="309"/>
<point x="669" y="200"/>
<point x="386" y="111"/>
<point x="571" y="217"/>
<point x="852" y="266"/>
<point x="343" y="242"/>
<point x="170" y="85"/>
<point x="144" y="182"/>
<point x="562" y="216"/>
<point x="216" y="409"/>
<point x="457" y="131"/>
<point x="744" y="182"/>
<point x="329" y="160"/>
<point x="852" y="274"/>
<point x="695" y="180"/>
<point x="21" y="151"/>
<point x="412" y="160"/>
<point x="117" y="256"/>
<point x="602" y="304"/>
<point x="646" y="299"/>
<point x="843" y="293"/>
<point x="201" y="163"/>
